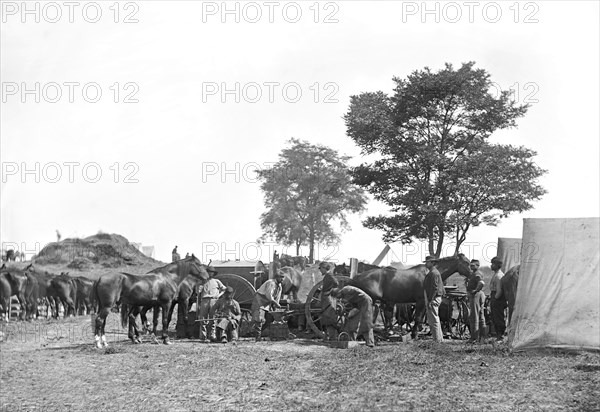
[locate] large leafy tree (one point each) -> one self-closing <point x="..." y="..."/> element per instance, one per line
<point x="437" y="170"/>
<point x="306" y="192"/>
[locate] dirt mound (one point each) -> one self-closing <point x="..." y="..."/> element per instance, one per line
<point x="104" y="250"/>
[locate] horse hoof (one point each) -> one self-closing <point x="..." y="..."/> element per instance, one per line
<point x="98" y="345"/>
<point x="167" y="342"/>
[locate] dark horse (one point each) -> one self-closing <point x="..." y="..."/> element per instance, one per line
<point x="186" y="295"/>
<point x="157" y="287"/>
<point x="393" y="286"/>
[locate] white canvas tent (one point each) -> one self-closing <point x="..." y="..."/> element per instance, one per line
<point x="509" y="251"/>
<point x="558" y="297"/>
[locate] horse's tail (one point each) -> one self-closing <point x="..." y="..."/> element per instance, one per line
<point x="124" y="315"/>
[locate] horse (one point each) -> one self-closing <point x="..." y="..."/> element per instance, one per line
<point x="65" y="290"/>
<point x="393" y="286"/>
<point x="157" y="287"/>
<point x="186" y="295"/>
<point x="83" y="288"/>
<point x="344" y="270"/>
<point x="291" y="282"/>
<point x="25" y="288"/>
<point x="341" y="270"/>
<point x="45" y="289"/>
<point x="293" y="261"/>
<point x="5" y="293"/>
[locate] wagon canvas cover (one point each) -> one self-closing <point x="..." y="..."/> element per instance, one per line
<point x="558" y="295"/>
<point x="509" y="251"/>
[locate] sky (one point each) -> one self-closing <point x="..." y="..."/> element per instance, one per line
<point x="148" y="119"/>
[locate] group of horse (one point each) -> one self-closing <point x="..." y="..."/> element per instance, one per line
<point x="401" y="290"/>
<point x="11" y="255"/>
<point x="35" y="288"/>
<point x="176" y="283"/>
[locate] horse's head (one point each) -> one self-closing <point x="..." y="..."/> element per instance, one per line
<point x="342" y="270"/>
<point x="195" y="268"/>
<point x="452" y="264"/>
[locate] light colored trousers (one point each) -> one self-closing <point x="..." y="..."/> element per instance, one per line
<point x="433" y="318"/>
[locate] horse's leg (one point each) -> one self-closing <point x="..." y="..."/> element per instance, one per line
<point x="155" y="313"/>
<point x="183" y="304"/>
<point x="99" y="326"/>
<point x="23" y="306"/>
<point x="144" y="319"/>
<point x="165" y="307"/>
<point x="419" y="314"/>
<point x="133" y="331"/>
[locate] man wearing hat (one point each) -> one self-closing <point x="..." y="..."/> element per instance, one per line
<point x="497" y="300"/>
<point x="476" y="299"/>
<point x="208" y="295"/>
<point x="227" y="315"/>
<point x="433" y="288"/>
<point x="266" y="298"/>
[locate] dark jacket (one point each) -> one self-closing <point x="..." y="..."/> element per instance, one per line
<point x="433" y="284"/>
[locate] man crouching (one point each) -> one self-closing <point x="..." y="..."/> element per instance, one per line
<point x="227" y="315"/>
<point x="360" y="316"/>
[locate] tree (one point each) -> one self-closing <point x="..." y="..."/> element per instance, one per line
<point x="308" y="190"/>
<point x="437" y="170"/>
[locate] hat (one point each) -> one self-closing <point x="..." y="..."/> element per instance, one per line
<point x="497" y="260"/>
<point x="229" y="290"/>
<point x="430" y="259"/>
<point x="211" y="269"/>
<point x="474" y="261"/>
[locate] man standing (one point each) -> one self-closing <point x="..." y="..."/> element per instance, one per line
<point x="266" y="298"/>
<point x="210" y="292"/>
<point x="174" y="255"/>
<point x="360" y="317"/>
<point x="329" y="317"/>
<point x="434" y="291"/>
<point x="476" y="299"/>
<point x="497" y="299"/>
<point x="228" y="313"/>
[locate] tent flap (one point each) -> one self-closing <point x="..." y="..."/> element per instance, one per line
<point x="557" y="304"/>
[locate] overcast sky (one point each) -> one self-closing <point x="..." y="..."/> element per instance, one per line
<point x="137" y="130"/>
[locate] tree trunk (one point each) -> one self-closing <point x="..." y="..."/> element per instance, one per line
<point x="297" y="248"/>
<point x="440" y="243"/>
<point x="431" y="241"/>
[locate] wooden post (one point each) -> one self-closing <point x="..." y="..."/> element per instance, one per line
<point x="353" y="267"/>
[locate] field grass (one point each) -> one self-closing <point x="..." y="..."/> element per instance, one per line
<point x="54" y="366"/>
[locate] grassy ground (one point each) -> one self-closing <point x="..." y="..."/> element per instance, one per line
<point x="53" y="366"/>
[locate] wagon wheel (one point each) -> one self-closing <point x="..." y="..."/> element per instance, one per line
<point x="244" y="291"/>
<point x="312" y="308"/>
